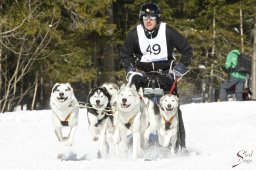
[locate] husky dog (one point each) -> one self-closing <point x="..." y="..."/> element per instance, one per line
<point x="112" y="89"/>
<point x="100" y="119"/>
<point x="167" y="120"/>
<point x="65" y="110"/>
<point x="131" y="116"/>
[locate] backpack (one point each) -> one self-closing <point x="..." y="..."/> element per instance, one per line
<point x="244" y="63"/>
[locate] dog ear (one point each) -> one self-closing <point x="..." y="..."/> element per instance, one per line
<point x="176" y="98"/>
<point x="56" y="85"/>
<point x="116" y="86"/>
<point x="69" y="86"/>
<point x="133" y="87"/>
<point x="122" y="87"/>
<point x="141" y="92"/>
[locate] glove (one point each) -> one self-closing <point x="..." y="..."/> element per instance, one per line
<point x="180" y="69"/>
<point x="135" y="78"/>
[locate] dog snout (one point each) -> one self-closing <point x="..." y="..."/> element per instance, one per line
<point x="124" y="100"/>
<point x="169" y="105"/>
<point x="98" y="101"/>
<point x="61" y="94"/>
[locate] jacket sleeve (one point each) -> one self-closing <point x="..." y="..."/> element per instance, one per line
<point x="129" y="49"/>
<point x="175" y="39"/>
<point x="231" y="60"/>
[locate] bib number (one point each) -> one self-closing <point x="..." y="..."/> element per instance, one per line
<point x="155" y="49"/>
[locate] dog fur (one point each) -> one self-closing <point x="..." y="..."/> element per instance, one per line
<point x="112" y="89"/>
<point x="100" y="119"/>
<point x="168" y="122"/>
<point x="131" y="116"/>
<point x="65" y="110"/>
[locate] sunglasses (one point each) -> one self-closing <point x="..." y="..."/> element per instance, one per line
<point x="152" y="18"/>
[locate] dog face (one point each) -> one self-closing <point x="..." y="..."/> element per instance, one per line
<point x="62" y="92"/>
<point x="112" y="88"/>
<point x="169" y="103"/>
<point x="99" y="98"/>
<point x="127" y="97"/>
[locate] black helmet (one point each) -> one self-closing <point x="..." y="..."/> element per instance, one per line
<point x="149" y="9"/>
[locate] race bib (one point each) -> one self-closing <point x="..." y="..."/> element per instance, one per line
<point x="153" y="49"/>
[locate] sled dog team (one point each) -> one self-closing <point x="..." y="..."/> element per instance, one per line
<point x="112" y="114"/>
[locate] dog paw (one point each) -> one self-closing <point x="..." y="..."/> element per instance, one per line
<point x="146" y="135"/>
<point x="60" y="156"/>
<point x="68" y="143"/>
<point x="95" y="139"/>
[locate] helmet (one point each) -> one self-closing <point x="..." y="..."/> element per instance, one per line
<point x="151" y="9"/>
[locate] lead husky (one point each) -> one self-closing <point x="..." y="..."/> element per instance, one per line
<point x="130" y="116"/>
<point x="100" y="119"/>
<point x="65" y="110"/>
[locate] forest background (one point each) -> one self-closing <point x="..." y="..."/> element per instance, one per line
<point x="78" y="41"/>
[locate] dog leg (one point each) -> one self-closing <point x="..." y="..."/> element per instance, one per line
<point x="152" y="119"/>
<point x="71" y="135"/>
<point x="167" y="138"/>
<point x="123" y="145"/>
<point x="136" y="145"/>
<point x="94" y="132"/>
<point x="173" y="142"/>
<point x="116" y="138"/>
<point x="58" y="133"/>
<point x="104" y="147"/>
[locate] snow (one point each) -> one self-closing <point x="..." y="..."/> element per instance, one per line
<point x="219" y="135"/>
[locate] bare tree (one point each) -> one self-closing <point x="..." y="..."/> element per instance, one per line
<point x="25" y="51"/>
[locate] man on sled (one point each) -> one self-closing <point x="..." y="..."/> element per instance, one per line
<point x="147" y="52"/>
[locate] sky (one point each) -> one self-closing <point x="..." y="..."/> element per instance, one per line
<point x="219" y="136"/>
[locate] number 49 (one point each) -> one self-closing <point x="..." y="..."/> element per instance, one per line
<point x="155" y="49"/>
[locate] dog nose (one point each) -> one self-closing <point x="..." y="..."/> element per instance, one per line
<point x="98" y="101"/>
<point x="61" y="94"/>
<point x="169" y="105"/>
<point x="124" y="100"/>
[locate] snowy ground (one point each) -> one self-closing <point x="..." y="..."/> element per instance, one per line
<point x="219" y="135"/>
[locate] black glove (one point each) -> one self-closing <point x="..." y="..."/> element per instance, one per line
<point x="180" y="69"/>
<point x="134" y="77"/>
<point x="137" y="80"/>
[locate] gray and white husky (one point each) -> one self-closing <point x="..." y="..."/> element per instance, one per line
<point x="100" y="119"/>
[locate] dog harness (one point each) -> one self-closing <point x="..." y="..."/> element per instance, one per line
<point x="65" y="122"/>
<point x="166" y="122"/>
<point x="95" y="113"/>
<point x="128" y="124"/>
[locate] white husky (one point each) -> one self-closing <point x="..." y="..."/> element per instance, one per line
<point x="131" y="116"/>
<point x="65" y="110"/>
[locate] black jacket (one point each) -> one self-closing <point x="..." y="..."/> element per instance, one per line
<point x="131" y="54"/>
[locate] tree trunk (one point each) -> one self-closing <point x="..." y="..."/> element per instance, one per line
<point x="241" y="29"/>
<point x="254" y="63"/>
<point x="1" y="69"/>
<point x="35" y="92"/>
